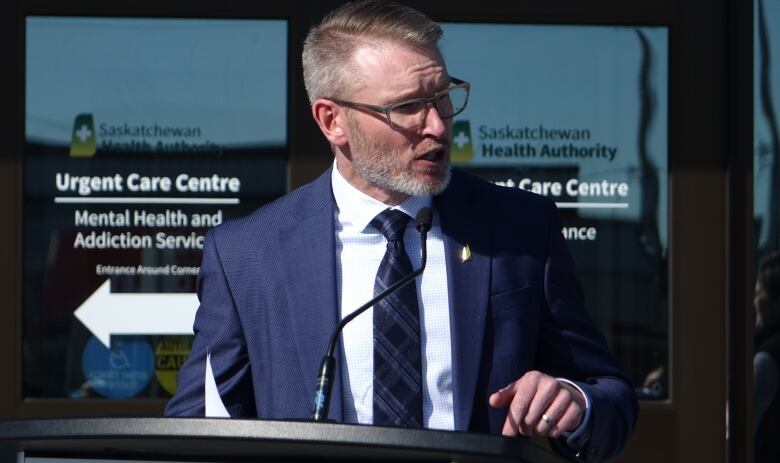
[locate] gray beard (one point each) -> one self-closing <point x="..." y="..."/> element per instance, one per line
<point x="382" y="176"/>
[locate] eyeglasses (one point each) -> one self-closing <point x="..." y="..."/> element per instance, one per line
<point x="410" y="114"/>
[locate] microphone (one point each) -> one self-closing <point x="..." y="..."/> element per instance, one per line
<point x="328" y="365"/>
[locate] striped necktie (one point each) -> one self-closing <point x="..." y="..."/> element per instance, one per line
<point x="397" y="359"/>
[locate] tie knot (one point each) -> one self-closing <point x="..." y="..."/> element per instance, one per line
<point x="391" y="223"/>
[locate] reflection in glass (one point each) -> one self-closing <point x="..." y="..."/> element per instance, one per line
<point x="766" y="213"/>
<point x="141" y="134"/>
<point x="579" y="114"/>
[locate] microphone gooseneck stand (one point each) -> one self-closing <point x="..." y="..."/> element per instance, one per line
<point x="328" y="365"/>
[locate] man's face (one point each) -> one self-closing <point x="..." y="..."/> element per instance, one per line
<point x="390" y="164"/>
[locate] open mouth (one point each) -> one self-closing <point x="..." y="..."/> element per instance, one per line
<point x="435" y="156"/>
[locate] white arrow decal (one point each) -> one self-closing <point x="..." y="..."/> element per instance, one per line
<point x="105" y="314"/>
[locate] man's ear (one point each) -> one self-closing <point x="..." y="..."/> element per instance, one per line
<point x="332" y="121"/>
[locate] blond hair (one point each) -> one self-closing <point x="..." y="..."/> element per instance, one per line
<point x="330" y="45"/>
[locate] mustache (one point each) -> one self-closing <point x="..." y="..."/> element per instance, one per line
<point x="432" y="146"/>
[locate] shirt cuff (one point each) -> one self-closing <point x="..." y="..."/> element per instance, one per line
<point x="577" y="440"/>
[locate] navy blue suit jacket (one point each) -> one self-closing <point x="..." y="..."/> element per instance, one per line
<point x="267" y="287"/>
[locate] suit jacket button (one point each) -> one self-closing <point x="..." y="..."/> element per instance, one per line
<point x="593" y="454"/>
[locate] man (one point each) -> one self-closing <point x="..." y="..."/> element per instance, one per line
<point x="492" y="337"/>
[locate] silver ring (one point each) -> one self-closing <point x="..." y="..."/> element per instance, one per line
<point x="550" y="422"/>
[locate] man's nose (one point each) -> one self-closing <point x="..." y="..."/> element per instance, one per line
<point x="433" y="124"/>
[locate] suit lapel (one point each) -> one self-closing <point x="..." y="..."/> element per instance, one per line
<point x="312" y="293"/>
<point x="311" y="283"/>
<point x="469" y="282"/>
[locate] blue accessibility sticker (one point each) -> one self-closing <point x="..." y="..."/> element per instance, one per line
<point x="122" y="371"/>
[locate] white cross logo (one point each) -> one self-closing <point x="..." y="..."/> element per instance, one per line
<point x="461" y="139"/>
<point x="83" y="133"/>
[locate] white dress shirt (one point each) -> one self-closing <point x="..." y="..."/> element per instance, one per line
<point x="359" y="251"/>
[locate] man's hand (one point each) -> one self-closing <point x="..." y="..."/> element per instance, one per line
<point x="539" y="404"/>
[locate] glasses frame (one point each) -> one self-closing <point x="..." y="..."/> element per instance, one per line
<point x="385" y="109"/>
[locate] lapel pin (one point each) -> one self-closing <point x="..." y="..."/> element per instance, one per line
<point x="465" y="254"/>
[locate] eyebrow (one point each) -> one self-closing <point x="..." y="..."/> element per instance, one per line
<point x="415" y="95"/>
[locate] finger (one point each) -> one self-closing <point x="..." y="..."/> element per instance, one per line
<point x="546" y="426"/>
<point x="502" y="397"/>
<point x="516" y="397"/>
<point x="525" y="391"/>
<point x="549" y="422"/>
<point x="547" y="390"/>
<point x="511" y="427"/>
<point x="518" y="405"/>
<point x="571" y="418"/>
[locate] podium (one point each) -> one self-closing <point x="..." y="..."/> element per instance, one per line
<point x="233" y="440"/>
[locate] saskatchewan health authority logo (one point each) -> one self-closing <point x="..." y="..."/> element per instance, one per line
<point x="83" y="142"/>
<point x="145" y="137"/>
<point x="461" y="149"/>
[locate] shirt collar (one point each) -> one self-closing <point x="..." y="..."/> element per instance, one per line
<point x="359" y="209"/>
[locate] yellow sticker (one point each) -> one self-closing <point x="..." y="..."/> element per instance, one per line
<point x="169" y="355"/>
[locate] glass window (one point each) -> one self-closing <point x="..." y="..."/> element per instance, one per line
<point x="141" y="134"/>
<point x="579" y="114"/>
<point x="766" y="213"/>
